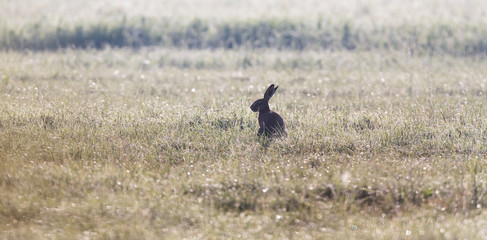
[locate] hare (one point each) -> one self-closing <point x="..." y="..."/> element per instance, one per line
<point x="271" y="123"/>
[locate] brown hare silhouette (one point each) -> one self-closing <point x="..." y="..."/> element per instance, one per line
<point x="271" y="123"/>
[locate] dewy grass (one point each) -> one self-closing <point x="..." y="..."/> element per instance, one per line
<point x="136" y="144"/>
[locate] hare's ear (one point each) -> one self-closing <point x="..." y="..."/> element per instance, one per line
<point x="270" y="91"/>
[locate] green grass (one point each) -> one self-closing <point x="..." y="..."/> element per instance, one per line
<point x="161" y="143"/>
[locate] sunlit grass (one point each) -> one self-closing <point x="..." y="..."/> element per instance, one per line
<point x="385" y="141"/>
<point x="162" y="143"/>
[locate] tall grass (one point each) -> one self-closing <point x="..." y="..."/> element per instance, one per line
<point x="427" y="27"/>
<point x="440" y="38"/>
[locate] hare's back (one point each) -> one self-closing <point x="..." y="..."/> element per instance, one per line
<point x="273" y="119"/>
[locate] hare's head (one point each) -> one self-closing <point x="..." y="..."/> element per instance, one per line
<point x="263" y="103"/>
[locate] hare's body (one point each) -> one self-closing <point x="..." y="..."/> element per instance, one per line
<point x="271" y="123"/>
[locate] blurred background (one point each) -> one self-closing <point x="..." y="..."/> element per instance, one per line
<point x="451" y="27"/>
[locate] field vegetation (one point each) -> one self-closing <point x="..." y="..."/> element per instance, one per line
<point x="102" y="137"/>
<point x="431" y="27"/>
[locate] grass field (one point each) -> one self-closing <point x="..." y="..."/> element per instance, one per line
<point x="123" y="143"/>
<point x="160" y="143"/>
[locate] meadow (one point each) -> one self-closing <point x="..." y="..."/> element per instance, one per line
<point x="157" y="141"/>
